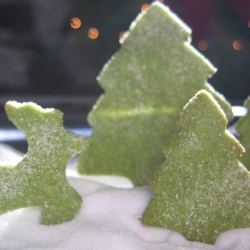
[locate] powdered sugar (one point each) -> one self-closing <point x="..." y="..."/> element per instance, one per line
<point x="109" y="219"/>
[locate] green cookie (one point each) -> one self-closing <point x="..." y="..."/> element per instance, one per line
<point x="243" y="127"/>
<point x="147" y="83"/>
<point x="40" y="178"/>
<point x="202" y="189"/>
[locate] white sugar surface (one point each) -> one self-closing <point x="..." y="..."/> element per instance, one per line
<point x="109" y="219"/>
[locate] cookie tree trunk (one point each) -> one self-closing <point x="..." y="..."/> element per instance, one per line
<point x="147" y="83"/>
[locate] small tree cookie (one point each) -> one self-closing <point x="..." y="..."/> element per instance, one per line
<point x="147" y="83"/>
<point x="39" y="179"/>
<point x="202" y="189"/>
<point x="243" y="128"/>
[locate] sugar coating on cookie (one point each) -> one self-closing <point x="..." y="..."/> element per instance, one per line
<point x="39" y="179"/>
<point x="243" y="128"/>
<point x="146" y="83"/>
<point x="202" y="189"/>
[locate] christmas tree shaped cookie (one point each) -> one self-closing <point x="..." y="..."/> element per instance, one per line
<point x="243" y="128"/>
<point x="146" y="85"/>
<point x="202" y="189"/>
<point x="39" y="179"/>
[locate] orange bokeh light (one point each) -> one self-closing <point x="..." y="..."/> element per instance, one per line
<point x="203" y="45"/>
<point x="238" y="44"/>
<point x="144" y="7"/>
<point x="248" y="23"/>
<point x="93" y="33"/>
<point x="121" y="34"/>
<point x="75" y="23"/>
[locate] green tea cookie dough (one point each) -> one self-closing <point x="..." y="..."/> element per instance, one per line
<point x="146" y="83"/>
<point x="39" y="179"/>
<point x="202" y="189"/>
<point x="243" y="128"/>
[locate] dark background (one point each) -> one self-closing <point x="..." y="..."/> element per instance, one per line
<point x="42" y="55"/>
<point x="45" y="60"/>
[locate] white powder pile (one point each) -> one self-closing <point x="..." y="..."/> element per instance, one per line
<point x="109" y="219"/>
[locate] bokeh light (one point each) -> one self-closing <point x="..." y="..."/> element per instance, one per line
<point x="144" y="7"/>
<point x="75" y="23"/>
<point x="121" y="34"/>
<point x="248" y="23"/>
<point x="203" y="45"/>
<point x="93" y="33"/>
<point x="238" y="44"/>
